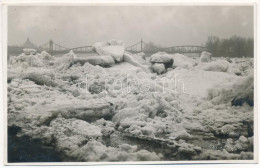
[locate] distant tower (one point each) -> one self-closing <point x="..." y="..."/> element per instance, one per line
<point x="51" y="46"/>
<point x="141" y="45"/>
<point x="27" y="40"/>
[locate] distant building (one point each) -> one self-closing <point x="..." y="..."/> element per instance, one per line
<point x="29" y="44"/>
<point x="16" y="50"/>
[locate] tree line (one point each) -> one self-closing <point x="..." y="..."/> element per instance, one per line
<point x="234" y="46"/>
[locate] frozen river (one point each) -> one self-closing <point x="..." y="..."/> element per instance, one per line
<point x="112" y="115"/>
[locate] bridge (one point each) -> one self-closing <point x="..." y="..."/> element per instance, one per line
<point x="54" y="48"/>
<point x="141" y="46"/>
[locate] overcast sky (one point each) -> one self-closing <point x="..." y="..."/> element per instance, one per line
<point x="165" y="25"/>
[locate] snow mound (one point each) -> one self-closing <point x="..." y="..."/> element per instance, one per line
<point x="65" y="61"/>
<point x="223" y="155"/>
<point x="92" y="70"/>
<point x="70" y="133"/>
<point x="244" y="92"/>
<point x="12" y="60"/>
<point x="40" y="76"/>
<point x="237" y="94"/>
<point x="96" y="151"/>
<point x="29" y="60"/>
<point x="196" y="82"/>
<point x="242" y="144"/>
<point x="131" y="59"/>
<point x="205" y="57"/>
<point x="245" y="65"/>
<point x="159" y="68"/>
<point x="14" y="73"/>
<point x="114" y="48"/>
<point x="161" y="57"/>
<point x="78" y="126"/>
<point x="183" y="61"/>
<point x="217" y="66"/>
<point x="234" y="69"/>
<point x="139" y="58"/>
<point x="46" y="56"/>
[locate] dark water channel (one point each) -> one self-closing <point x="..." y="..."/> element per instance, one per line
<point x="23" y="149"/>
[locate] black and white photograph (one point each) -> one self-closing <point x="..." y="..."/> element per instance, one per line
<point x="120" y="83"/>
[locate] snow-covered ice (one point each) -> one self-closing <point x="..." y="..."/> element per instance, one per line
<point x="183" y="61"/>
<point x="205" y="57"/>
<point x="159" y="68"/>
<point x="114" y="48"/>
<point x="98" y="108"/>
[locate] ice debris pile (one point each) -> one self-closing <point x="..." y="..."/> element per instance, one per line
<point x="205" y="57"/>
<point x="237" y="94"/>
<point x="114" y="48"/>
<point x="162" y="62"/>
<point x="89" y="112"/>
